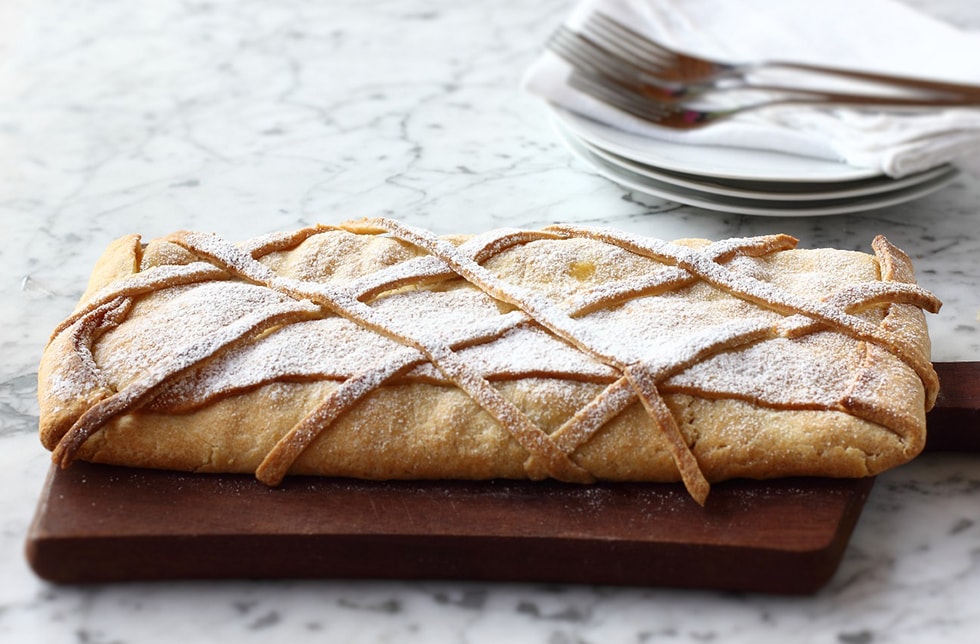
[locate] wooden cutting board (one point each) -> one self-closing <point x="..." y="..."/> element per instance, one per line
<point x="109" y="524"/>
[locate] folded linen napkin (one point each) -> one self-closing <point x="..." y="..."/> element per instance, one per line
<point x="875" y="35"/>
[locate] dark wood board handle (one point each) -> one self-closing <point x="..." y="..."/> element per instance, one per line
<point x="954" y="423"/>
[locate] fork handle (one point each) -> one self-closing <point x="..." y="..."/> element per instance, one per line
<point x="670" y="96"/>
<point x="951" y="89"/>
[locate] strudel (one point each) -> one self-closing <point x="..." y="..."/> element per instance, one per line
<point x="374" y="349"/>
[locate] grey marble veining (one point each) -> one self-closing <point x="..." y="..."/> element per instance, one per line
<point x="248" y="117"/>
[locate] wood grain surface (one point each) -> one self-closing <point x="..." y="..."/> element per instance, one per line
<point x="107" y="524"/>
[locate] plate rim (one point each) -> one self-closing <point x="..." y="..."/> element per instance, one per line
<point x="831" y="191"/>
<point x="736" y="205"/>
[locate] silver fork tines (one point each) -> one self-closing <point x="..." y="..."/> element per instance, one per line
<point x="584" y="54"/>
<point x="666" y="64"/>
<point x="628" y="100"/>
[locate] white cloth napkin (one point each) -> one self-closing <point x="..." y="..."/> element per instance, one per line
<point x="875" y="35"/>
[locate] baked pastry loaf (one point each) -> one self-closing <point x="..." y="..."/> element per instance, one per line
<point x="376" y="350"/>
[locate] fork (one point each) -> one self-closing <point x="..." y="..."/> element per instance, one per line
<point x="586" y="54"/>
<point x="623" y="84"/>
<point x="680" y="116"/>
<point x="688" y="70"/>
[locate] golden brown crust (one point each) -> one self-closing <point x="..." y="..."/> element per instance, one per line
<point x="377" y="350"/>
<point x="122" y="257"/>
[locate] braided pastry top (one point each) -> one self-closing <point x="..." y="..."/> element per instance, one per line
<point x="174" y="327"/>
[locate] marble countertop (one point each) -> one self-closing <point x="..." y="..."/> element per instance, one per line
<point x="247" y="117"/>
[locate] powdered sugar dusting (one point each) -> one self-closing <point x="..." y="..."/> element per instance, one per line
<point x="177" y="317"/>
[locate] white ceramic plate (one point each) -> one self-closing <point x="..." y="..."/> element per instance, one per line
<point x="710" y="161"/>
<point x="750" y="206"/>
<point x="769" y="191"/>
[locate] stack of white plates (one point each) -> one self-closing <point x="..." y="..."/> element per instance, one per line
<point x="738" y="180"/>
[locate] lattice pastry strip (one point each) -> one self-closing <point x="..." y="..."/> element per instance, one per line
<point x="381" y="308"/>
